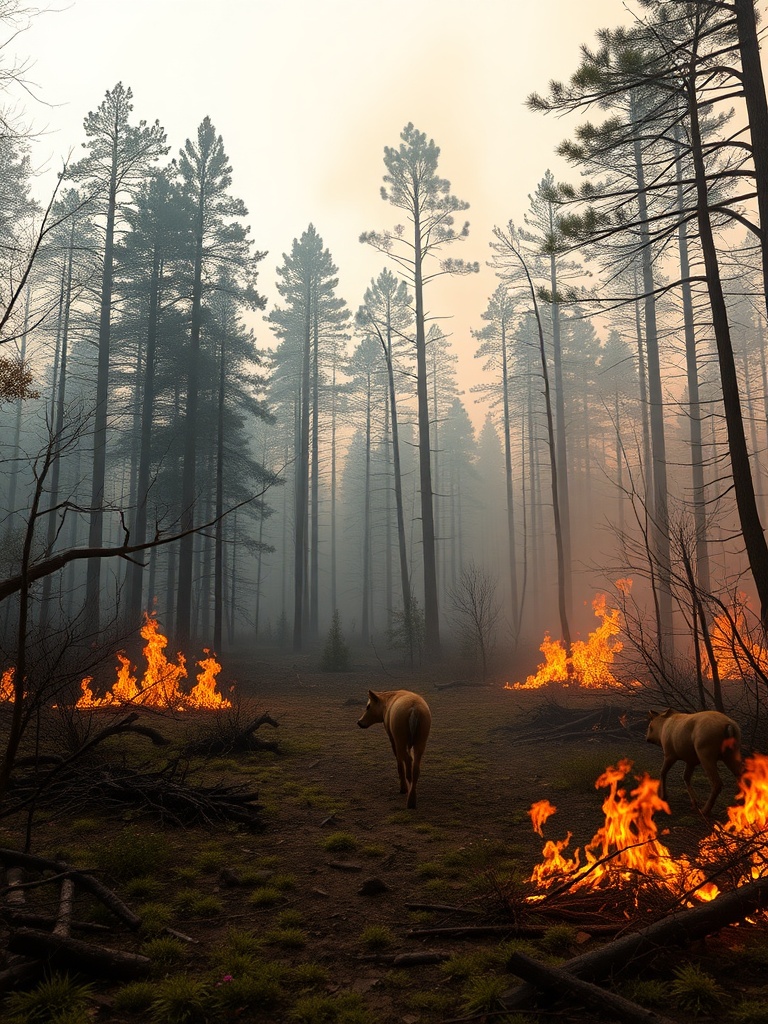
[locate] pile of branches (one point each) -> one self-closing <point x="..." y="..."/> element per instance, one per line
<point x="552" y="721"/>
<point x="38" y="941"/>
<point x="87" y="778"/>
<point x="227" y="736"/>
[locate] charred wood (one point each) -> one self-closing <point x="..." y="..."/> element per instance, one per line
<point x="63" y="951"/>
<point x="545" y="977"/>
<point x="678" y="929"/>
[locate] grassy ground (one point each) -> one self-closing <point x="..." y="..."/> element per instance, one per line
<point x="282" y="933"/>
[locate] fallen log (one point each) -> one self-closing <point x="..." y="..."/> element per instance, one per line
<point x="525" y="930"/>
<point x="18" y="919"/>
<point x="66" y="900"/>
<point x="82" y="878"/>
<point x="546" y="978"/>
<point x="677" y="929"/>
<point x="63" y="951"/>
<point x="442" y="908"/>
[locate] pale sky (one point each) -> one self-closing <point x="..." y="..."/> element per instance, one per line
<point x="306" y="94"/>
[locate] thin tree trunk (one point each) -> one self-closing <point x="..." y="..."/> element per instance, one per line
<point x="98" y="478"/>
<point x="749" y="519"/>
<point x="218" y="569"/>
<point x="431" y="613"/>
<point x="139" y="530"/>
<point x="514" y="605"/>
<point x="189" y="469"/>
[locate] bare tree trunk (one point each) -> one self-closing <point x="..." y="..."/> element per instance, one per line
<point x="98" y="478"/>
<point x="749" y="519"/>
<point x="218" y="567"/>
<point x="514" y="608"/>
<point x="139" y="530"/>
<point x="431" y="613"/>
<point x="660" y="515"/>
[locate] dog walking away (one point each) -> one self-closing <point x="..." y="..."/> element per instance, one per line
<point x="407" y="721"/>
<point x="704" y="738"/>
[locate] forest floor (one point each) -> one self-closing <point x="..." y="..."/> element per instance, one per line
<point x="301" y="920"/>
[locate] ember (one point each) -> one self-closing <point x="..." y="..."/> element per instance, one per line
<point x="159" y="687"/>
<point x="590" y="660"/>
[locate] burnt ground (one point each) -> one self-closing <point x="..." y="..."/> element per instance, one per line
<point x="297" y="891"/>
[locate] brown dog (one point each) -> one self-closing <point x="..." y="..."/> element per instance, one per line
<point x="704" y="738"/>
<point x="407" y="720"/>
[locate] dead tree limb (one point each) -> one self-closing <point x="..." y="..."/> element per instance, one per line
<point x="545" y="977"/>
<point x="83" y="956"/>
<point x="83" y="879"/>
<point x="64" y="916"/>
<point x="526" y="930"/>
<point x="674" y="930"/>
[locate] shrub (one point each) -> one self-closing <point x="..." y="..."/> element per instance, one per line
<point x="336" y="657"/>
<point x="165" y="951"/>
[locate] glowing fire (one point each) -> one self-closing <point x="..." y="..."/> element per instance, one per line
<point x="626" y="849"/>
<point x="590" y="660"/>
<point x="159" y="687"/>
<point x="736" y="652"/>
<point x="6" y="684"/>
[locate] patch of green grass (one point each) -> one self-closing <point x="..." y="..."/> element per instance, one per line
<point x="433" y="1002"/>
<point x="209" y="862"/>
<point x="483" y="995"/>
<point x="345" y="1008"/>
<point x="181" y="999"/>
<point x="164" y="951"/>
<point x="283" y="882"/>
<point x="750" y="1011"/>
<point x="154" y="917"/>
<point x="132" y="854"/>
<point x="377" y="937"/>
<point x="340" y="842"/>
<point x="373" y="850"/>
<point x="261" y="985"/>
<point x="401" y="818"/>
<point x="80" y="825"/>
<point x="145" y="887"/>
<point x="193" y="903"/>
<point x="290" y="919"/>
<point x="650" y="992"/>
<point x="135" y="998"/>
<point x="187" y="875"/>
<point x="308" y="975"/>
<point x="240" y="942"/>
<point x="430" y="869"/>
<point x="558" y="940"/>
<point x="265" y="897"/>
<point x="579" y="772"/>
<point x="694" y="991"/>
<point x="55" y="998"/>
<point x="288" y="938"/>
<point x="478" y="855"/>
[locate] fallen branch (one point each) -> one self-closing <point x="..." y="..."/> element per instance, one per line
<point x="82" y="956"/>
<point x="545" y="977"/>
<point x="442" y="908"/>
<point x="83" y="879"/>
<point x="675" y="930"/>
<point x="525" y="930"/>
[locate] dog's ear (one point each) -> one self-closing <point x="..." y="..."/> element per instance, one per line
<point x="372" y="695"/>
<point x="652" y="715"/>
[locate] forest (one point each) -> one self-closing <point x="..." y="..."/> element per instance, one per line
<point x="309" y="482"/>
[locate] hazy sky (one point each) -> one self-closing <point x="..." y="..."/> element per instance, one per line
<point x="306" y="94"/>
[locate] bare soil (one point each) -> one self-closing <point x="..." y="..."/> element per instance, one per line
<point x="334" y="785"/>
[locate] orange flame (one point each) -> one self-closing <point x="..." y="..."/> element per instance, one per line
<point x="626" y="848"/>
<point x="590" y="660"/>
<point x="159" y="687"/>
<point x="736" y="652"/>
<point x="6" y="684"/>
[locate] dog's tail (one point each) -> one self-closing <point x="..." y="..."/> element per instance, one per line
<point x="413" y="726"/>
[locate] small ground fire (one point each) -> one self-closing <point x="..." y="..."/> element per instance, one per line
<point x="159" y="686"/>
<point x="625" y="851"/>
